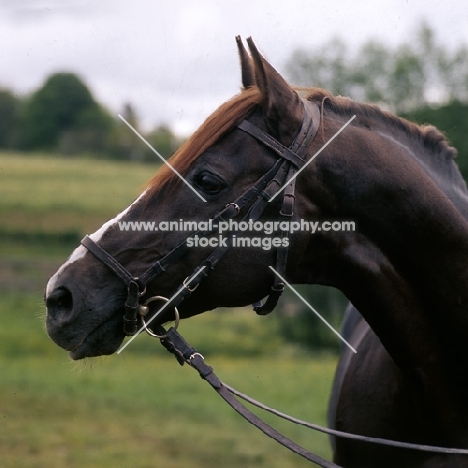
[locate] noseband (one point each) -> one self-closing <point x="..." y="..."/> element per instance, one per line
<point x="255" y="200"/>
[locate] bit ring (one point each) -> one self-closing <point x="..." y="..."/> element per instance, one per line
<point x="142" y="318"/>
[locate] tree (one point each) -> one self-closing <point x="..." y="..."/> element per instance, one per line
<point x="326" y="68"/>
<point x="9" y="110"/>
<point x="164" y="141"/>
<point x="452" y="119"/>
<point x="401" y="78"/>
<point x="64" y="115"/>
<point x="370" y="73"/>
<point x="406" y="82"/>
<point x="128" y="144"/>
<point x="454" y="72"/>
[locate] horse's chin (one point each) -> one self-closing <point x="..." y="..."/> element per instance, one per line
<point x="105" y="339"/>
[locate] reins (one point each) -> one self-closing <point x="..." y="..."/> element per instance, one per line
<point x="185" y="353"/>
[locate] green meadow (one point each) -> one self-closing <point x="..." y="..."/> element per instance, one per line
<point x="139" y="408"/>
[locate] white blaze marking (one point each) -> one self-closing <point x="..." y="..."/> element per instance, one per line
<point x="96" y="236"/>
<point x="80" y="251"/>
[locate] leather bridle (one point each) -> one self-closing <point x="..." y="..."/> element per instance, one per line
<point x="254" y="200"/>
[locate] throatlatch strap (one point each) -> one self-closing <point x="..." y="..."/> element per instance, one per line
<point x="294" y="157"/>
<point x="277" y="288"/>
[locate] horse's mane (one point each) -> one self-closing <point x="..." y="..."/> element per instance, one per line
<point x="224" y="119"/>
<point x="232" y="112"/>
<point x="430" y="137"/>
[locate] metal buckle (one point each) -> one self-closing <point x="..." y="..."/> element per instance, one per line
<point x="187" y="287"/>
<point x="195" y="355"/>
<point x="236" y="207"/>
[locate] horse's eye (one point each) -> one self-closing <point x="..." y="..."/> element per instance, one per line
<point x="209" y="183"/>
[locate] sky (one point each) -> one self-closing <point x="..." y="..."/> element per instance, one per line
<point x="176" y="60"/>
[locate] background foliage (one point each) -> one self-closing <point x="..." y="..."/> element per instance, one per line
<point x="420" y="79"/>
<point x="63" y="116"/>
<point x="403" y="78"/>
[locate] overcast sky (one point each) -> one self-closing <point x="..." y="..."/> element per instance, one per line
<point x="176" y="60"/>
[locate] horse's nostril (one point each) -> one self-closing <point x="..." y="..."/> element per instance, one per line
<point x="59" y="301"/>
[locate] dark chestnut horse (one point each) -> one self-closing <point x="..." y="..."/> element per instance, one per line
<point x="404" y="267"/>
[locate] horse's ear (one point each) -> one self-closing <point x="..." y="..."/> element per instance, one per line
<point x="282" y="106"/>
<point x="248" y="75"/>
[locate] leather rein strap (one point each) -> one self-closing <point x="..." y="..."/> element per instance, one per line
<point x="184" y="353"/>
<point x="254" y="200"/>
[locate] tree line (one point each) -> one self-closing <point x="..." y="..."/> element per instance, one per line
<point x="419" y="79"/>
<point x="403" y="78"/>
<point x="63" y="116"/>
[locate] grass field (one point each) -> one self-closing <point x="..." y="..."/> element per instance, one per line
<point x="138" y="409"/>
<point x="54" y="195"/>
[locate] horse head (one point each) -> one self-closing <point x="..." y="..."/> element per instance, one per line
<point x="220" y="164"/>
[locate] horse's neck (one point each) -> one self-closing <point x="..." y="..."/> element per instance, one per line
<point x="406" y="267"/>
<point x="418" y="306"/>
<point x="433" y="319"/>
<point x="438" y="233"/>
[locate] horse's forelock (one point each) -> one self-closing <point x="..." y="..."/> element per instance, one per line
<point x="224" y="119"/>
